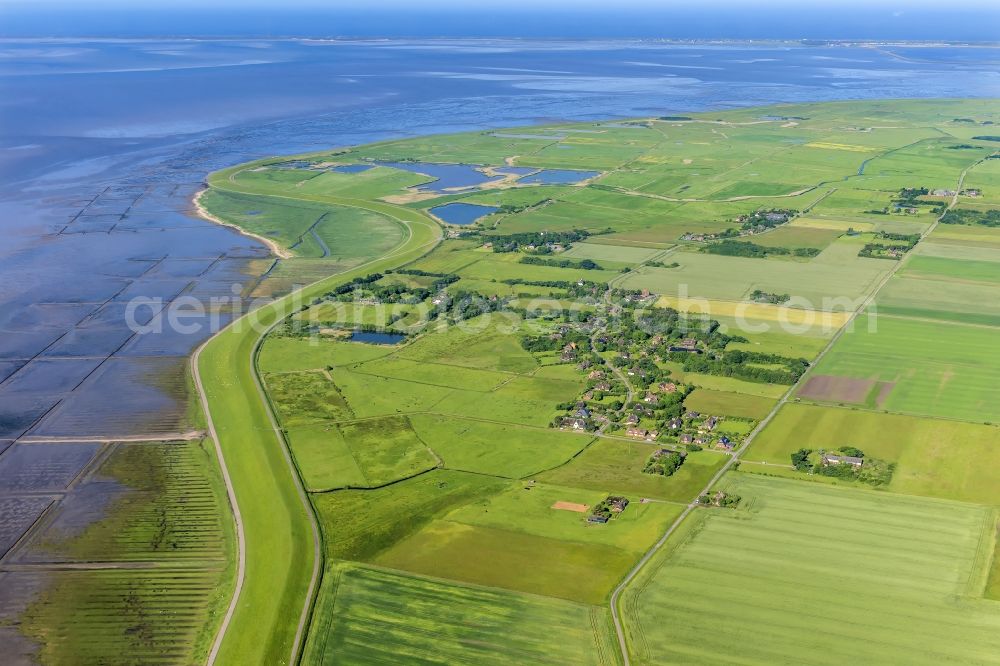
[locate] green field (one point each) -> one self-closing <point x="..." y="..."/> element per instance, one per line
<point x="727" y="403"/>
<point x="614" y="466"/>
<point x="937" y="368"/>
<point x="823" y="282"/>
<point x="379" y="617"/>
<point x="499" y="449"/>
<point x="936" y="458"/>
<point x="811" y="574"/>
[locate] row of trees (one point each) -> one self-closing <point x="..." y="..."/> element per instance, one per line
<point x="585" y="264"/>
<point x="735" y="248"/>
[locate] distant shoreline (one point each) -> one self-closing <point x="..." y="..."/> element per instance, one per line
<point x="370" y="39"/>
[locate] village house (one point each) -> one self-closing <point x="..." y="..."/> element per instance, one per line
<point x="688" y="345"/>
<point x="650" y="397"/>
<point x="828" y="459"/>
<point x="602" y="386"/>
<point x="710" y="423"/>
<point x="686" y="439"/>
<point x="595" y="374"/>
<point x="632" y="419"/>
<point x="724" y="443"/>
<point x="636" y="432"/>
<point x="668" y="387"/>
<point x="575" y="424"/>
<point x="675" y="424"/>
<point x="617" y="504"/>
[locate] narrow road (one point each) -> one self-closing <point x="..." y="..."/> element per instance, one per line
<point x="629" y="391"/>
<point x="735" y="458"/>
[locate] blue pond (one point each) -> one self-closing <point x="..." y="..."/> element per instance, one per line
<point x="462" y="213"/>
<point x="351" y="168"/>
<point x="375" y="338"/>
<point x="525" y="135"/>
<point x="446" y="175"/>
<point x="515" y="171"/>
<point x="558" y="177"/>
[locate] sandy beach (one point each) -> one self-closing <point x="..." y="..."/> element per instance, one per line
<point x="276" y="249"/>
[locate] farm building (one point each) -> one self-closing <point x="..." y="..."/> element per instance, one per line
<point x="842" y="460"/>
<point x="659" y="453"/>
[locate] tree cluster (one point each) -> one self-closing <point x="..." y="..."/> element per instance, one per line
<point x="585" y="264"/>
<point x="516" y="242"/>
<point x="738" y="364"/>
<point x="735" y="248"/>
<point x="664" y="464"/>
<point x="986" y="218"/>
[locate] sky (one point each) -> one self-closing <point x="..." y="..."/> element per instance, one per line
<point x="955" y="20"/>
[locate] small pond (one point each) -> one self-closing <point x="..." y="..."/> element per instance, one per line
<point x="377" y="338"/>
<point x="351" y="168"/>
<point x="558" y="177"/>
<point x="446" y="175"/>
<point x="515" y="171"/>
<point x="518" y="135"/>
<point x="462" y="213"/>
